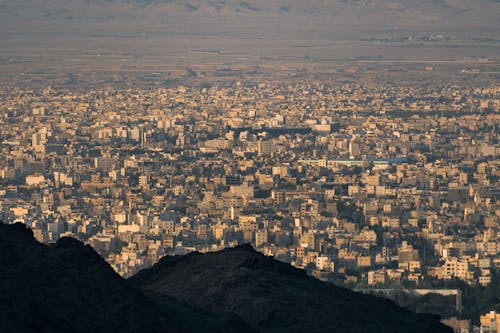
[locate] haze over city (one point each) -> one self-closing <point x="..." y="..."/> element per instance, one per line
<point x="249" y="166"/>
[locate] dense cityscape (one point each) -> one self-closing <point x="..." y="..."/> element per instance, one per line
<point x="362" y="185"/>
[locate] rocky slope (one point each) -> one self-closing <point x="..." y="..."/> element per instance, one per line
<point x="68" y="287"/>
<point x="272" y="296"/>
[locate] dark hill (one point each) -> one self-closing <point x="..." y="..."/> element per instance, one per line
<point x="68" y="287"/>
<point x="272" y="296"/>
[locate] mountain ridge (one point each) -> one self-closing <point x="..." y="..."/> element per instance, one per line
<point x="45" y="36"/>
<point x="366" y="15"/>
<point x="67" y="286"/>
<point x="264" y="292"/>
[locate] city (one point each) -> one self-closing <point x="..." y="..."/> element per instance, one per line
<point x="361" y="185"/>
<point x="249" y="166"/>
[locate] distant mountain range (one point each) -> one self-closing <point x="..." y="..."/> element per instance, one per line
<point x="283" y="6"/>
<point x="68" y="287"/>
<point x="458" y="16"/>
<point x="54" y="36"/>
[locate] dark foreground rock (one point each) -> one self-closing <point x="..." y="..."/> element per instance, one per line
<point x="67" y="287"/>
<point x="272" y="296"/>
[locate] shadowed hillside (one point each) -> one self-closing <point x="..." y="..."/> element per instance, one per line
<point x="68" y="287"/>
<point x="273" y="296"/>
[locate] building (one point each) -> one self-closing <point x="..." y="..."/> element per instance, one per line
<point x="490" y="322"/>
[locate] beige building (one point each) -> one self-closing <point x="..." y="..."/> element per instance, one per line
<point x="490" y="322"/>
